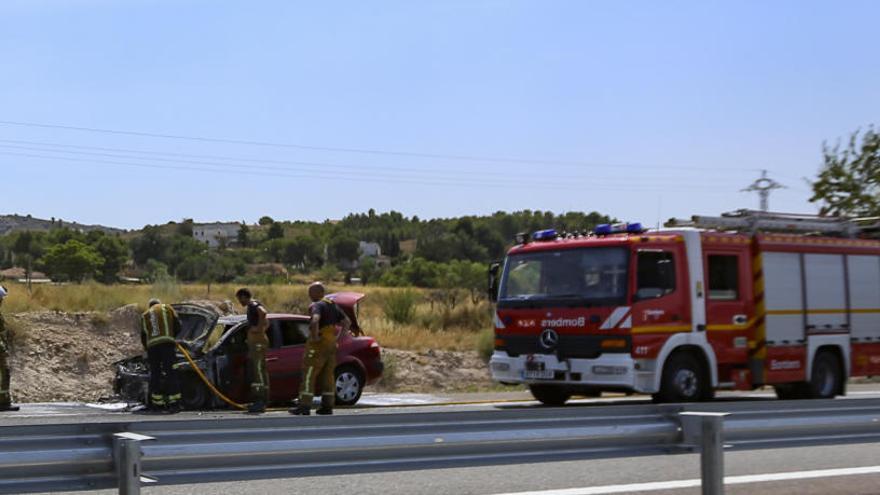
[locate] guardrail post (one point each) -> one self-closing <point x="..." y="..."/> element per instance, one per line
<point x="127" y="459"/>
<point x="705" y="430"/>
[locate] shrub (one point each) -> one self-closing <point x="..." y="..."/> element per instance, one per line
<point x="486" y="344"/>
<point x="400" y="306"/>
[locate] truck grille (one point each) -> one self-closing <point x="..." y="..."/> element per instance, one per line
<point x="570" y="346"/>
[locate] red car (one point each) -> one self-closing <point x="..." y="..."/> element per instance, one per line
<point x="218" y="346"/>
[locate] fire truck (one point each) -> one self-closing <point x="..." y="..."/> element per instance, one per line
<point x="734" y="302"/>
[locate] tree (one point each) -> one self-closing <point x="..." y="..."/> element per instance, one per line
<point x="72" y="261"/>
<point x="243" y="235"/>
<point x="849" y="182"/>
<point x="27" y="247"/>
<point x="150" y="245"/>
<point x="302" y="252"/>
<point x="344" y="249"/>
<point x="266" y="221"/>
<point x="115" y="253"/>
<point x="276" y="231"/>
<point x="185" y="228"/>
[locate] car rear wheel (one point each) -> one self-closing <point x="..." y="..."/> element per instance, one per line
<point x="349" y="385"/>
<point x="551" y="395"/>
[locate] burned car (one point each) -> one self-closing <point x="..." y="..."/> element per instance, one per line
<point x="218" y="345"/>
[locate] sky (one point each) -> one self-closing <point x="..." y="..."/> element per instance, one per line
<point x="127" y="113"/>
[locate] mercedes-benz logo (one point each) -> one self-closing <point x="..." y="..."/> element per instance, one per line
<point x="549" y="338"/>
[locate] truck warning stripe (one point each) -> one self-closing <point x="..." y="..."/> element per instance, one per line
<point x="615" y="318"/>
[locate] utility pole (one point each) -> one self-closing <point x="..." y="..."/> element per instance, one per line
<point x="763" y="186"/>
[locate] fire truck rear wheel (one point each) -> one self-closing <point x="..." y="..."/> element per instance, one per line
<point x="551" y="395"/>
<point x="684" y="380"/>
<point x="825" y="380"/>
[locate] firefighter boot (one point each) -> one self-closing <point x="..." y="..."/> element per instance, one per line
<point x="324" y="411"/>
<point x="300" y="410"/>
<point x="8" y="407"/>
<point x="257" y="407"/>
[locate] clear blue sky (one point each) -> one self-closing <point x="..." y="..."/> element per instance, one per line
<point x="640" y="109"/>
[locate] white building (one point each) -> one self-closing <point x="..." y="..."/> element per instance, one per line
<point x="216" y="234"/>
<point x="370" y="249"/>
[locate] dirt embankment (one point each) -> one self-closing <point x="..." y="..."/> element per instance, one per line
<point x="434" y="371"/>
<point x="60" y="356"/>
<point x="69" y="356"/>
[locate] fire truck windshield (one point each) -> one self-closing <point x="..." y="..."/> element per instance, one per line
<point x="587" y="276"/>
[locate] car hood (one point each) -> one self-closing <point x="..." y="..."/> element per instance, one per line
<point x="196" y="323"/>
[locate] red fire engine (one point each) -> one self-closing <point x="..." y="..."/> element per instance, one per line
<point x="737" y="302"/>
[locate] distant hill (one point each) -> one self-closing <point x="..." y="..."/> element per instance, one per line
<point x="14" y="223"/>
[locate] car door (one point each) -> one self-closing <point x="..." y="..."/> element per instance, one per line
<point x="284" y="358"/>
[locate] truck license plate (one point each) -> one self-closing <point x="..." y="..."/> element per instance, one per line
<point x="539" y="374"/>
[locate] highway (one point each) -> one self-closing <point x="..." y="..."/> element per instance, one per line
<point x="845" y="469"/>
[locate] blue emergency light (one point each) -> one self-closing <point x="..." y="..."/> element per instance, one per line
<point x="619" y="228"/>
<point x="545" y="235"/>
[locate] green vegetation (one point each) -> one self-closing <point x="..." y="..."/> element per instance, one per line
<point x="444" y="254"/>
<point x="849" y="182"/>
<point x="400" y="307"/>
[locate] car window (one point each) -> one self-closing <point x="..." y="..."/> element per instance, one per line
<point x="655" y="275"/>
<point x="293" y="332"/>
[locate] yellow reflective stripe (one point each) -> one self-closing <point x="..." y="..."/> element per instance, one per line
<point x="722" y="328"/>
<point x="167" y="329"/>
<point x="662" y="329"/>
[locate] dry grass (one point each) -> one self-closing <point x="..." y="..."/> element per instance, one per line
<point x="433" y="327"/>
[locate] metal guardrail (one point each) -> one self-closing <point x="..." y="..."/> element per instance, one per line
<point x="47" y="458"/>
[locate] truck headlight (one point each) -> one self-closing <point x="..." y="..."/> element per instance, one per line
<point x="501" y="367"/>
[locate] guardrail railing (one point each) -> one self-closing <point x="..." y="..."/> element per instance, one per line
<point x="47" y="458"/>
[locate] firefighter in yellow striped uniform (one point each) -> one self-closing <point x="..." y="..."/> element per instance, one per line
<point x="319" y="364"/>
<point x="160" y="325"/>
<point x="5" y="394"/>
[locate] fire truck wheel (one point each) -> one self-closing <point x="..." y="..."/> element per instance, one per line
<point x="826" y="377"/>
<point x="684" y="380"/>
<point x="550" y="395"/>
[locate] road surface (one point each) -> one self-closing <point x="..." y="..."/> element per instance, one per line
<point x="841" y="469"/>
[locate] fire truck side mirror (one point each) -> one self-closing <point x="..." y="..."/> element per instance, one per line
<point x="494" y="268"/>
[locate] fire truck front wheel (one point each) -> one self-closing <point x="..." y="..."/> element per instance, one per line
<point x="551" y="395"/>
<point x="684" y="380"/>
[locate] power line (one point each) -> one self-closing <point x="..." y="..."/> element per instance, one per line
<point x="465" y="183"/>
<point x="130" y="154"/>
<point x="471" y="158"/>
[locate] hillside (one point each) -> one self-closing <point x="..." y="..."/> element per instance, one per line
<point x="15" y="223"/>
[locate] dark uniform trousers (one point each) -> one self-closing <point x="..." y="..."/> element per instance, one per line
<point x="164" y="378"/>
<point x="5" y="397"/>
<point x="319" y="368"/>
<point x="259" y="375"/>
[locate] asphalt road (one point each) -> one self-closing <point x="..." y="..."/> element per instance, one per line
<point x="602" y="476"/>
<point x="55" y="413"/>
<point x="854" y="468"/>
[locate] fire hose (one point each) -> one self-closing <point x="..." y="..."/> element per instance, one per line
<point x="207" y="382"/>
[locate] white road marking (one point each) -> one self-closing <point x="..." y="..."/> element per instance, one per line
<point x="729" y="480"/>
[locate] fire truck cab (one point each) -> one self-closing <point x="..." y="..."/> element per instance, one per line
<point x="739" y="302"/>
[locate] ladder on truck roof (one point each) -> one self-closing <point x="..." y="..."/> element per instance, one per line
<point x="752" y="221"/>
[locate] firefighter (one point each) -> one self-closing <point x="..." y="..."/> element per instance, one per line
<point x="258" y="342"/>
<point x="319" y="365"/>
<point x="160" y="325"/>
<point x="5" y="394"/>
